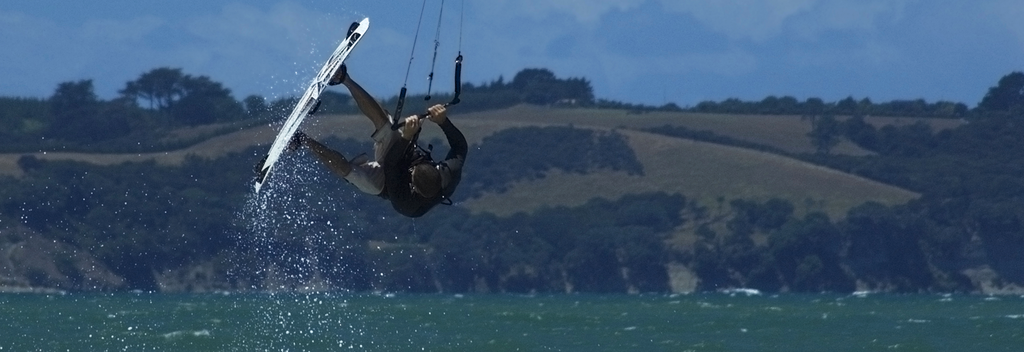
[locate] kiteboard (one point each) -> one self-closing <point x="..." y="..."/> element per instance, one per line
<point x="310" y="101"/>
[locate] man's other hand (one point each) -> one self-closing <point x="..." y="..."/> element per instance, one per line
<point x="410" y="128"/>
<point x="438" y="114"/>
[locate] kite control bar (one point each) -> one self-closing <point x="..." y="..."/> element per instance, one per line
<point x="455" y="98"/>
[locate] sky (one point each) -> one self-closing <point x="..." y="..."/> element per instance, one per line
<point x="649" y="52"/>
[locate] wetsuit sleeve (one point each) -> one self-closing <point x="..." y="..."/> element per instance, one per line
<point x="451" y="167"/>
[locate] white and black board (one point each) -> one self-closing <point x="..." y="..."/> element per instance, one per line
<point x="309" y="102"/>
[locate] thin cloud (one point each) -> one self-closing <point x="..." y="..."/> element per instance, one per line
<point x="762" y="20"/>
<point x="1010" y="14"/>
<point x="638" y="51"/>
<point x="22" y="35"/>
<point x="582" y="11"/>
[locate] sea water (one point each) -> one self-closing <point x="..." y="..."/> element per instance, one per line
<point x="399" y="322"/>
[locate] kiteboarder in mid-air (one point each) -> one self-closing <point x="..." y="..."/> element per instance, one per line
<point x="399" y="171"/>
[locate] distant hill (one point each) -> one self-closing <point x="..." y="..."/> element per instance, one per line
<point x="757" y="160"/>
<point x="700" y="170"/>
<point x="613" y="197"/>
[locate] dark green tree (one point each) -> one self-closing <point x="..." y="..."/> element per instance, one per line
<point x="592" y="265"/>
<point x="536" y="85"/>
<point x="885" y="248"/>
<point x="915" y="140"/>
<point x="825" y="133"/>
<point x="814" y="106"/>
<point x="806" y="253"/>
<point x="74" y="99"/>
<point x="255" y="106"/>
<point x="1007" y="96"/>
<point x="541" y="87"/>
<point x="78" y="115"/>
<point x="187" y="99"/>
<point x="847" y="106"/>
<point x="204" y="101"/>
<point x="160" y="88"/>
<point x="860" y="132"/>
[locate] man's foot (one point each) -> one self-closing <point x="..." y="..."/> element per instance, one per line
<point x="352" y="28"/>
<point x="298" y="139"/>
<point x="339" y="76"/>
<point x="258" y="169"/>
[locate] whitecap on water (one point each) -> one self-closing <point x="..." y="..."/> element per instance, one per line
<point x="744" y="291"/>
<point x="860" y="294"/>
<point x="196" y="333"/>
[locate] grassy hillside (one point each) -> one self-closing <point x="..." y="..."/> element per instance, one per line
<point x="788" y="133"/>
<point x="703" y="171"/>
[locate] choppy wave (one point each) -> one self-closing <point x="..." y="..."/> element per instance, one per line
<point x="183" y="333"/>
<point x="702" y="321"/>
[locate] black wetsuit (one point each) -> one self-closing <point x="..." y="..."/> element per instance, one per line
<point x="403" y="155"/>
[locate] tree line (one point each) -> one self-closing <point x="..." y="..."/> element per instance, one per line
<point x="787" y="105"/>
<point x="75" y="118"/>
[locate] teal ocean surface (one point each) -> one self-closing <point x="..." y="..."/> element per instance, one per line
<point x="333" y="322"/>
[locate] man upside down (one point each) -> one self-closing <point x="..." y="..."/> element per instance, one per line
<point x="399" y="171"/>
